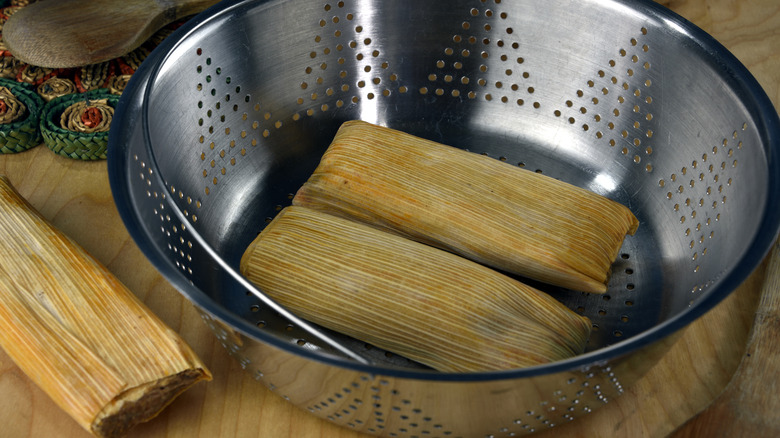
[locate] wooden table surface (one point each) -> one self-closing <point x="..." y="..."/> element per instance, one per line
<point x="75" y="196"/>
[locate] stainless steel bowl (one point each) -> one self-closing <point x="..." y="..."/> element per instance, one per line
<point x="227" y="118"/>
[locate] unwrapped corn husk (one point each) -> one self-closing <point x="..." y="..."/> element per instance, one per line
<point x="80" y="334"/>
<point x="486" y="210"/>
<point x="423" y="303"/>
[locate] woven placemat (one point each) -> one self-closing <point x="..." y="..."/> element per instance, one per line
<point x="22" y="133"/>
<point x="88" y="111"/>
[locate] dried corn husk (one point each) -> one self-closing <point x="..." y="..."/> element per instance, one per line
<point x="481" y="208"/>
<point x="78" y="333"/>
<point x="409" y="298"/>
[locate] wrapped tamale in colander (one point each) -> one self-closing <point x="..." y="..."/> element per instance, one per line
<point x="415" y="300"/>
<point x="486" y="210"/>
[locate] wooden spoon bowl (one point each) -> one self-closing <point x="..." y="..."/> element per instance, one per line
<point x="73" y="33"/>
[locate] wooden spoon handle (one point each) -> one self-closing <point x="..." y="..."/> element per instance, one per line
<point x="749" y="405"/>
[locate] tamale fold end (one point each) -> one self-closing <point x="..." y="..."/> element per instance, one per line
<point x="78" y="333"/>
<point x="141" y="404"/>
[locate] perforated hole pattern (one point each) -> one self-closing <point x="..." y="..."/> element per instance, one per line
<point x="618" y="95"/>
<point x="484" y="60"/>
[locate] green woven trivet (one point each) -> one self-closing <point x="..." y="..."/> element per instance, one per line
<point x="73" y="143"/>
<point x="21" y="134"/>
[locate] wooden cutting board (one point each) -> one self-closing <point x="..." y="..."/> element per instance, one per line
<point x="75" y="196"/>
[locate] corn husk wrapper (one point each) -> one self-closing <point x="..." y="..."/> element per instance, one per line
<point x="414" y="300"/>
<point x="78" y="333"/>
<point x="486" y="210"/>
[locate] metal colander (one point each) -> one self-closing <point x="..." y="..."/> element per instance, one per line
<point x="228" y="117"/>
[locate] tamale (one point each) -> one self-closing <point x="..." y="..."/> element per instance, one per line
<point x="78" y="333"/>
<point x="489" y="211"/>
<point x="406" y="297"/>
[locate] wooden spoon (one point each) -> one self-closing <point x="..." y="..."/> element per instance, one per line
<point x="73" y="33"/>
<point x="750" y="404"/>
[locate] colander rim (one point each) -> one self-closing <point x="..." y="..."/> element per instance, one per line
<point x="767" y="122"/>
